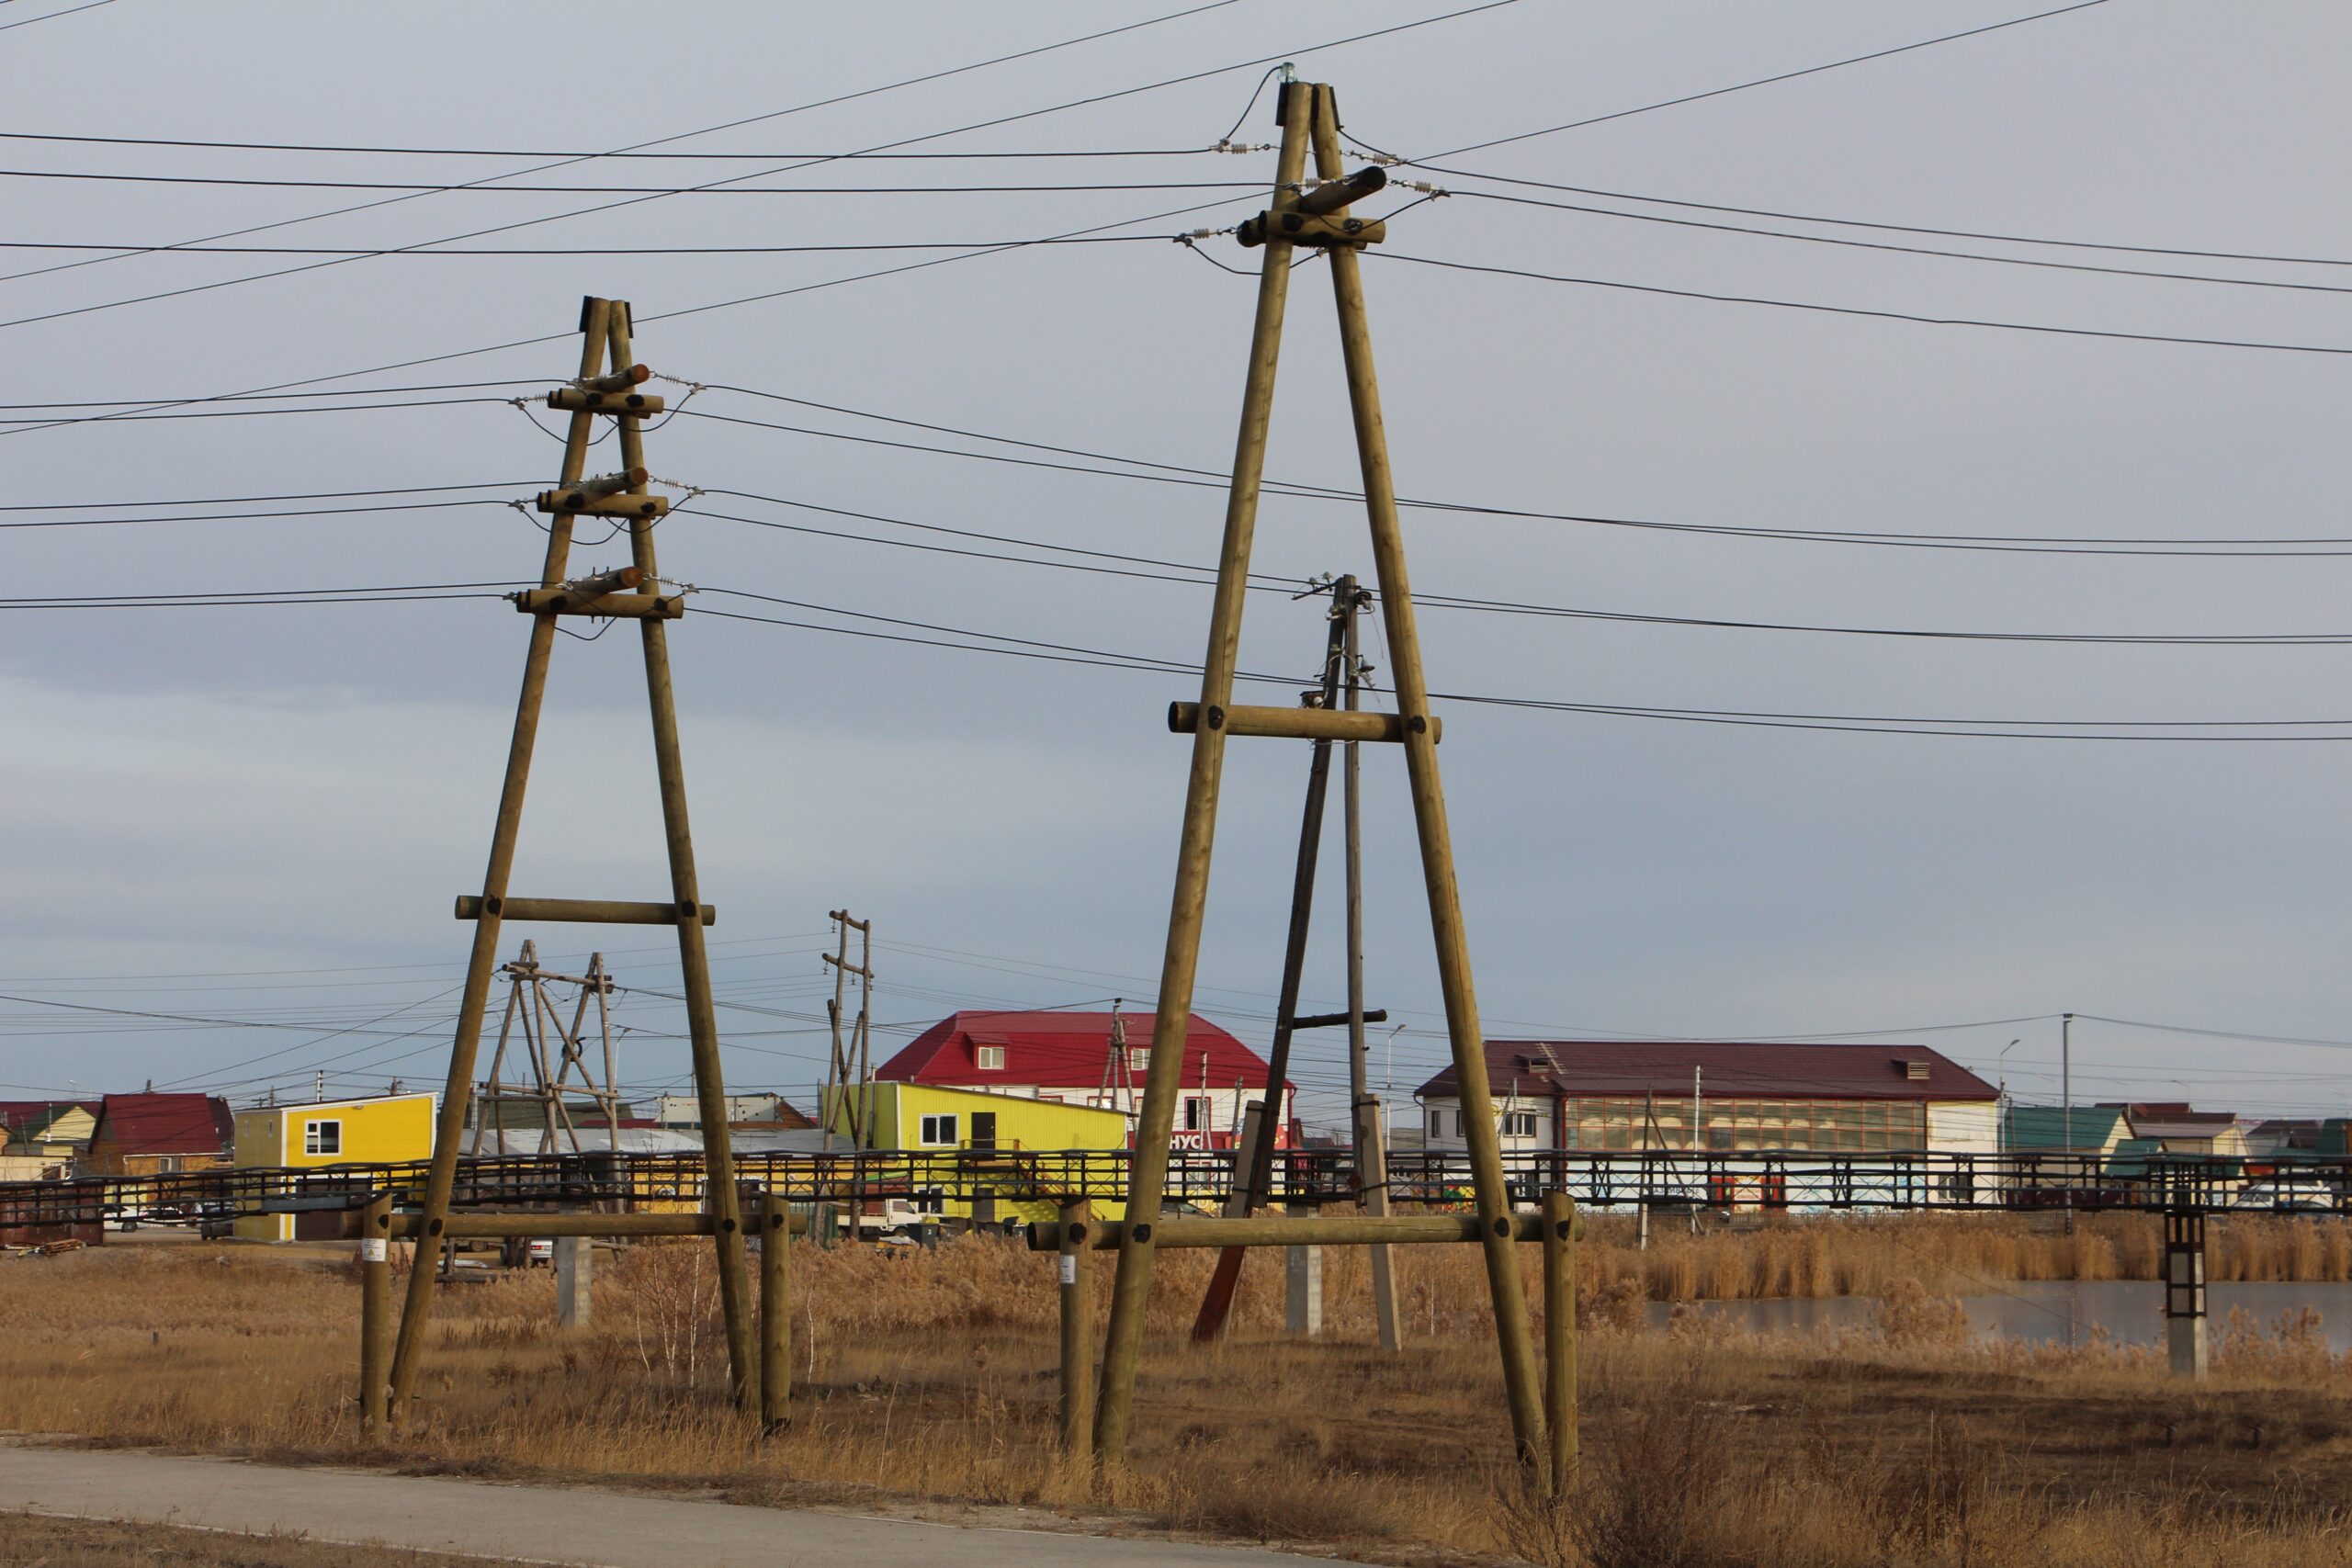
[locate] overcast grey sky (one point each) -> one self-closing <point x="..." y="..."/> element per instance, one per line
<point x="262" y="814"/>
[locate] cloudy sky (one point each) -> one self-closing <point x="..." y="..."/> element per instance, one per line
<point x="257" y="815"/>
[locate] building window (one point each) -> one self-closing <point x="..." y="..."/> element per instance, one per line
<point x="166" y="1164"/>
<point x="323" y="1137"/>
<point x="1197" y="1115"/>
<point x="1139" y="1058"/>
<point x="989" y="1058"/>
<point x="1518" y="1124"/>
<point x="939" y="1132"/>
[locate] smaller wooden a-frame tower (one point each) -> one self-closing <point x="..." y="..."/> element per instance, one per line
<point x="1316" y="217"/>
<point x="634" y="593"/>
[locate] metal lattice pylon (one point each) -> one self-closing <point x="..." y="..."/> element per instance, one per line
<point x="1318" y="219"/>
<point x="634" y="593"/>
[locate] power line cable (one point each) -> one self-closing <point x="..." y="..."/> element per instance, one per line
<point x="639" y="200"/>
<point x="28" y="21"/>
<point x="1768" y="81"/>
<point x="626" y="154"/>
<point x="1906" y="250"/>
<point x="2172" y="338"/>
<point x="655" y="141"/>
<point x="478" y="189"/>
<point x="1198" y="477"/>
<point x="1870" y="223"/>
<point x="355" y="252"/>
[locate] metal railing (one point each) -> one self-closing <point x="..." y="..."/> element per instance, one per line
<point x="1765" y="1180"/>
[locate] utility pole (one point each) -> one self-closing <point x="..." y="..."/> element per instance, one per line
<point x="1255" y="1165"/>
<point x="2066" y="1114"/>
<point x="634" y="593"/>
<point x="848" y="1093"/>
<point x="1371" y="1162"/>
<point x="1318" y="219"/>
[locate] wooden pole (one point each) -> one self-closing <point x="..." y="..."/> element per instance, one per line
<point x="1511" y="1326"/>
<point x="482" y="962"/>
<point x="375" y="1311"/>
<point x="1078" y="1340"/>
<point x="775" y="1313"/>
<point x="694" y="958"/>
<point x="1560" y="1336"/>
<point x="1147" y="1174"/>
<point x="1258" y="1156"/>
<point x="1371" y="1138"/>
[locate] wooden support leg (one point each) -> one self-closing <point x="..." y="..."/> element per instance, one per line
<point x="1147" y="1175"/>
<point x="694" y="959"/>
<point x="1560" y="1336"/>
<point x="375" y="1312"/>
<point x="1511" y="1325"/>
<point x="1078" y="1340"/>
<point x="775" y="1313"/>
<point x="482" y="962"/>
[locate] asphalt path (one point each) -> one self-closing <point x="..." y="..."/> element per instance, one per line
<point x="575" y="1527"/>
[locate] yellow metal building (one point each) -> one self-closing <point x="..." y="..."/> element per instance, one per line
<point x="386" y="1128"/>
<point x="999" y="1135"/>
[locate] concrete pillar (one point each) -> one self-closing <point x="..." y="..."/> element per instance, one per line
<point x="574" y="1270"/>
<point x="2185" y="1337"/>
<point x="1303" y="1286"/>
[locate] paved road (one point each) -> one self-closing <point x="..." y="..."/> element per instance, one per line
<point x="548" y="1525"/>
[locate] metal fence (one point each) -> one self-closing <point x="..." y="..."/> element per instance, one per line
<point x="1763" y="1181"/>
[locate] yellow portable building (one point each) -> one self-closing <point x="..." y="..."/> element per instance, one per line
<point x="376" y="1130"/>
<point x="1003" y="1140"/>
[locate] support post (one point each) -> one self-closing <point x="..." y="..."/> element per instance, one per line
<point x="482" y="962"/>
<point x="1560" y="1336"/>
<point x="1077" y="1342"/>
<point x="1147" y="1174"/>
<point x="775" y="1313"/>
<point x="2185" y="1337"/>
<point x="575" y="1262"/>
<point x="375" y="1310"/>
<point x="1374" y="1171"/>
<point x="1371" y="1141"/>
<point x="1302" y="1285"/>
<point x="1513" y="1329"/>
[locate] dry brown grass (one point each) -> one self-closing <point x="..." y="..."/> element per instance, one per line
<point x="932" y="1375"/>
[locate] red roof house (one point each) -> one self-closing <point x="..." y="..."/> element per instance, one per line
<point x="1727" y="1095"/>
<point x="151" y="1134"/>
<point x="1069" y="1056"/>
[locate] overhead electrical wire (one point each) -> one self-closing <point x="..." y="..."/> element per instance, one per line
<point x="1206" y="478"/>
<point x="1768" y="81"/>
<point x="480" y="190"/>
<point x="658" y="142"/>
<point x="637" y="152"/>
<point x="358" y="251"/>
<point x="53" y="15"/>
<point x="2043" y="262"/>
<point x="1914" y="317"/>
<point x="639" y="200"/>
<point x="2183" y="252"/>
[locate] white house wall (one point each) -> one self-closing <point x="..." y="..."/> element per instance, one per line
<point x="1963" y="1127"/>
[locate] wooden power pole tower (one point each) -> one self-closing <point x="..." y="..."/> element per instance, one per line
<point x="1318" y="218"/>
<point x="529" y="1007"/>
<point x="632" y="593"/>
<point x="848" y="1094"/>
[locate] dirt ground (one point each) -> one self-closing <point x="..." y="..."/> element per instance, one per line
<point x="36" y="1540"/>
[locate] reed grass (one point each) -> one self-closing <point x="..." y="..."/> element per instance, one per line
<point x="931" y="1376"/>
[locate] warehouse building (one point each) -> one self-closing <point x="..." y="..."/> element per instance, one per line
<point x="1608" y="1096"/>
